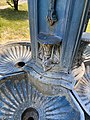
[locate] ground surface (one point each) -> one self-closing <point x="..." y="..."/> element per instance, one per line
<point x="14" y="25"/>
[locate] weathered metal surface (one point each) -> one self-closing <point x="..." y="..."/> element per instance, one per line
<point x="48" y="78"/>
<point x="54" y="65"/>
<point x="19" y="100"/>
<point x="82" y="87"/>
<point x="68" y="28"/>
<point x="78" y="67"/>
<point x="52" y="17"/>
<point x="48" y="51"/>
<point x="13" y="56"/>
<point x="42" y="81"/>
<point x="87" y="19"/>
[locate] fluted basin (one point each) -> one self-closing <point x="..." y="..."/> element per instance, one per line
<point x="19" y="100"/>
<point x="13" y="56"/>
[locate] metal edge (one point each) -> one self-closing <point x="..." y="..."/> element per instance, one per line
<point x="82" y="116"/>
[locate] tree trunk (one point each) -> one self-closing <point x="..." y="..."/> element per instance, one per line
<point x="15" y="4"/>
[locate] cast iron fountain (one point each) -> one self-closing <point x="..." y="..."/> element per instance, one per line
<point x="48" y="79"/>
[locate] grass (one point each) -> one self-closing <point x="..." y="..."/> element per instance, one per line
<point x="14" y="25"/>
<point x="3" y="2"/>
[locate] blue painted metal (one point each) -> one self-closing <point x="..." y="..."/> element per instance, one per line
<point x="54" y="22"/>
<point x="12" y="54"/>
<point x="82" y="87"/>
<point x="55" y="46"/>
<point x="68" y="28"/>
<point x="17" y="94"/>
<point x="44" y="86"/>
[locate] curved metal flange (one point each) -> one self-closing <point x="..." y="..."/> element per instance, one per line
<point x="17" y="96"/>
<point x="48" y="78"/>
<point x="13" y="56"/>
<point x="85" y="37"/>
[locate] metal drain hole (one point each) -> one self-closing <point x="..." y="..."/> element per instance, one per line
<point x="30" y="114"/>
<point x="30" y="118"/>
<point x="20" y="64"/>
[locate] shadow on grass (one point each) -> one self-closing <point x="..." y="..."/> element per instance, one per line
<point x="13" y="15"/>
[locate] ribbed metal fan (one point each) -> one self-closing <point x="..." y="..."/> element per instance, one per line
<point x="13" y="56"/>
<point x="82" y="92"/>
<point x="19" y="98"/>
<point x="78" y="69"/>
<point x="82" y="88"/>
<point x="86" y="54"/>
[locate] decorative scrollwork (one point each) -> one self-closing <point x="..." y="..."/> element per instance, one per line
<point x="82" y="74"/>
<point x="78" y="67"/>
<point x="49" y="55"/>
<point x="82" y="56"/>
<point x="52" y="17"/>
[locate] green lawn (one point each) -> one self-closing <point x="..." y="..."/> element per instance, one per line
<point x="14" y="25"/>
